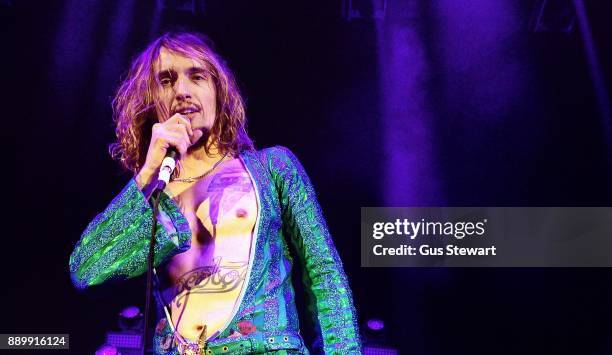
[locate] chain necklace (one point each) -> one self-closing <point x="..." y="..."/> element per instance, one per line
<point x="196" y="178"/>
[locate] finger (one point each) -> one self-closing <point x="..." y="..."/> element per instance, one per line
<point x="179" y="144"/>
<point x="178" y="131"/>
<point x="178" y="140"/>
<point x="186" y="139"/>
<point x="182" y="130"/>
<point x="197" y="134"/>
<point x="156" y="129"/>
<point x="178" y="118"/>
<point x="182" y="138"/>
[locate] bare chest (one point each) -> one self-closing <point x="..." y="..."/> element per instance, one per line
<point x="221" y="210"/>
<point x="208" y="278"/>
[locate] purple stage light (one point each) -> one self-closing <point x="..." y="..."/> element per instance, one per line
<point x="130" y="318"/>
<point x="108" y="350"/>
<point x="376" y="350"/>
<point x="376" y="324"/>
<point x="130" y="312"/>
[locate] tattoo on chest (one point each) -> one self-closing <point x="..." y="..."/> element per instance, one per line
<point x="217" y="278"/>
<point x="235" y="180"/>
<point x="225" y="190"/>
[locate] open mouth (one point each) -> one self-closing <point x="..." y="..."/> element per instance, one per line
<point x="187" y="111"/>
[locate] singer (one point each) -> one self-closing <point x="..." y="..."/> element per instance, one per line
<point x="231" y="220"/>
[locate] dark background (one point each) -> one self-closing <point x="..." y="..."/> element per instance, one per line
<point x="437" y="103"/>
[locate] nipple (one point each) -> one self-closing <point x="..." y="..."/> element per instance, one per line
<point x="241" y="213"/>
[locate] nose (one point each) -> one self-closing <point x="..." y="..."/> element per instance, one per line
<point x="181" y="89"/>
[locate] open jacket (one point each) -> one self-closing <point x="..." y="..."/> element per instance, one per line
<point x="114" y="246"/>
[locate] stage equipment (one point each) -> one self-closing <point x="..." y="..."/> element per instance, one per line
<point x="375" y="338"/>
<point x="130" y="318"/>
<point x="128" y="341"/>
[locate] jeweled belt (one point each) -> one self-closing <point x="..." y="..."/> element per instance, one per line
<point x="254" y="343"/>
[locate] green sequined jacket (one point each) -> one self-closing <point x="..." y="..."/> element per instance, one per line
<point x="114" y="247"/>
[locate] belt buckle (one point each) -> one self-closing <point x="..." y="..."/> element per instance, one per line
<point x="192" y="349"/>
<point x="198" y="348"/>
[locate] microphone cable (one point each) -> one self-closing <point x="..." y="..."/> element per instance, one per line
<point x="155" y="195"/>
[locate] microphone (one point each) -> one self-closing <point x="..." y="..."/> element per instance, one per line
<point x="167" y="167"/>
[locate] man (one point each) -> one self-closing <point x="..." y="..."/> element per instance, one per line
<point x="228" y="218"/>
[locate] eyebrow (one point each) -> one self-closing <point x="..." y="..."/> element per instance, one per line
<point x="172" y="72"/>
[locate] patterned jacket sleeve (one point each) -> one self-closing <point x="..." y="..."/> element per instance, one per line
<point x="115" y="244"/>
<point x="333" y="311"/>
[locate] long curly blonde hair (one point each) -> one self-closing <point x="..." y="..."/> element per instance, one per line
<point x="135" y="105"/>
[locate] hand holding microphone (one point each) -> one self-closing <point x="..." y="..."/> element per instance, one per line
<point x="169" y="140"/>
<point x="167" y="168"/>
